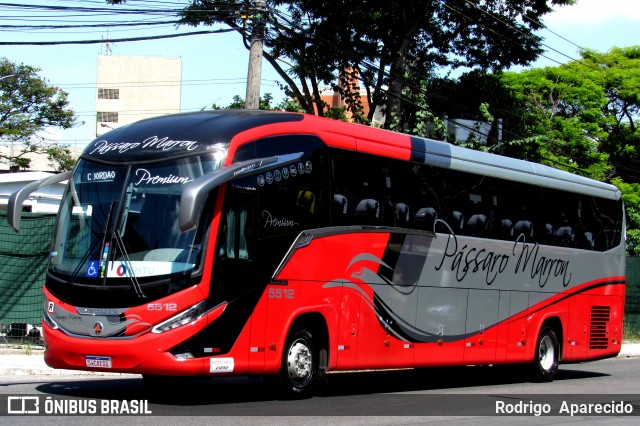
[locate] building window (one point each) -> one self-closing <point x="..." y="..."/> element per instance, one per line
<point x="107" y="117"/>
<point x="108" y="93"/>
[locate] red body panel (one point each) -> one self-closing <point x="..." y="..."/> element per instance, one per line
<point x="357" y="337"/>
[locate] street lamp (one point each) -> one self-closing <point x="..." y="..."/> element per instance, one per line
<point x="7" y="76"/>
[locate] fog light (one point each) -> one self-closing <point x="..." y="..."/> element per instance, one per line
<point x="186" y="355"/>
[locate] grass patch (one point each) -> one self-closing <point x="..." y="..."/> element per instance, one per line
<point x="631" y="327"/>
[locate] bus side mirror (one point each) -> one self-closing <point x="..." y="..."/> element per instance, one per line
<point x="14" y="207"/>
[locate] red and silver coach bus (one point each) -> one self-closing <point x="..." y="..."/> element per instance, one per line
<point x="247" y="242"/>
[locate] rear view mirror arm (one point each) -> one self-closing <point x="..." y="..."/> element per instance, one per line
<point x="17" y="199"/>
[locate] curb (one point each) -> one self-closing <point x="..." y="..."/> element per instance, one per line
<point x="629" y="349"/>
<point x="30" y="362"/>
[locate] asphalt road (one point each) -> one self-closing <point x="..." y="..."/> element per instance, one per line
<point x="441" y="396"/>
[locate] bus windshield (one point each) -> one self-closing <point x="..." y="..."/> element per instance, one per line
<point x="120" y="223"/>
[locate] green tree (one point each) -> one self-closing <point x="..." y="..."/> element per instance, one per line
<point x="238" y="103"/>
<point x="478" y="96"/>
<point x="290" y="105"/>
<point x="60" y="157"/>
<point x="563" y="107"/>
<point x="29" y="105"/>
<point x="416" y="117"/>
<point x="631" y="198"/>
<point x="581" y="116"/>
<point x="586" y="113"/>
<point x="381" y="43"/>
<point x="618" y="73"/>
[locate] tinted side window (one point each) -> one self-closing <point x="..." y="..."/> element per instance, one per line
<point x="372" y="190"/>
<point x="469" y="204"/>
<point x="605" y="216"/>
<point x="582" y="221"/>
<point x="237" y="233"/>
<point x="516" y="211"/>
<point x="465" y="206"/>
<point x="245" y="152"/>
<point x="417" y="195"/>
<point x="292" y="197"/>
<point x="361" y="186"/>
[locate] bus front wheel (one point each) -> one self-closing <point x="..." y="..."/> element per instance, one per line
<point x="299" y="368"/>
<point x="546" y="356"/>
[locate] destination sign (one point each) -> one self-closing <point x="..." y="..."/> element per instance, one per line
<point x="100" y="176"/>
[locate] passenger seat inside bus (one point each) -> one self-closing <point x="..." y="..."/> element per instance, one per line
<point x="506" y="229"/>
<point x="402" y="214"/>
<point x="523" y="227"/>
<point x="426" y="218"/>
<point x="476" y="225"/>
<point x="367" y="211"/>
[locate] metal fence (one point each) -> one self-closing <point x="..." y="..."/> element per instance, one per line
<point x="23" y="259"/>
<point x="632" y="304"/>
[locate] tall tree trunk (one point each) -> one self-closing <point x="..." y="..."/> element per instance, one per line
<point x="396" y="84"/>
<point x="397" y="71"/>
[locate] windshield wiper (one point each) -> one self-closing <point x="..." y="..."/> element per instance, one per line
<point x="135" y="285"/>
<point x="108" y="253"/>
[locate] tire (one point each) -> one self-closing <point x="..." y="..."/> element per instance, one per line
<point x="299" y="368"/>
<point x="546" y="356"/>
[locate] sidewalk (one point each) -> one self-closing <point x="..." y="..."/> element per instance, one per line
<point x="30" y="362"/>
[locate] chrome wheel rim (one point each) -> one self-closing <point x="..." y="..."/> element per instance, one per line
<point x="546" y="353"/>
<point x="299" y="362"/>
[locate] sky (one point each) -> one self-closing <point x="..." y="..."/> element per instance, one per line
<point x="591" y="24"/>
<point x="214" y="66"/>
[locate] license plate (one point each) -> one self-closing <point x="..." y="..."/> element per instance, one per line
<point x="98" y="361"/>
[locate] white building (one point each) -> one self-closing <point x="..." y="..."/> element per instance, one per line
<point x="39" y="161"/>
<point x="460" y="129"/>
<point x="131" y="88"/>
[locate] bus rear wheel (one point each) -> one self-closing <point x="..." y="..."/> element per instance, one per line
<point x="299" y="368"/>
<point x="546" y="356"/>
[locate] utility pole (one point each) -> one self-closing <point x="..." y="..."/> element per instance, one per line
<point x="254" y="73"/>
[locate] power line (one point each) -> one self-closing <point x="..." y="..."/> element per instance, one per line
<point x="108" y="25"/>
<point x="366" y="63"/>
<point x="107" y="10"/>
<point x="550" y="142"/>
<point x="119" y="40"/>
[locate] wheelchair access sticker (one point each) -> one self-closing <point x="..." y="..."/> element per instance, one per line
<point x="92" y="269"/>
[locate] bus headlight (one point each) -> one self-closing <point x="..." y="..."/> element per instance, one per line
<point x="184" y="317"/>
